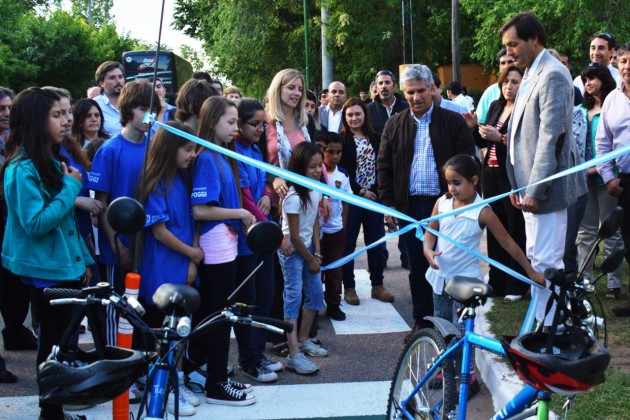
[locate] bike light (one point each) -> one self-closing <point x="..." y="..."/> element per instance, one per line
<point x="183" y="326"/>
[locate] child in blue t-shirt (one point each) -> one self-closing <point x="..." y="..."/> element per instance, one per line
<point x="216" y="204"/>
<point x="170" y="251"/>
<point x="333" y="239"/>
<point x="259" y="290"/>
<point x="115" y="172"/>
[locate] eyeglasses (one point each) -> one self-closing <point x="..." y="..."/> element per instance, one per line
<point x="595" y="64"/>
<point x="257" y="125"/>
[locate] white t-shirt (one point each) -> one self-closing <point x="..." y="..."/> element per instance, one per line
<point x="465" y="229"/>
<point x="337" y="179"/>
<point x="291" y="205"/>
<point x="461" y="100"/>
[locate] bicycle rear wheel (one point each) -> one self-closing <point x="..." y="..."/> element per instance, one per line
<point x="437" y="397"/>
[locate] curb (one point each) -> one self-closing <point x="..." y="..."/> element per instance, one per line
<point x="502" y="382"/>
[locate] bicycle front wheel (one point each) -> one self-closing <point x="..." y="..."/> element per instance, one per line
<point x="437" y="397"/>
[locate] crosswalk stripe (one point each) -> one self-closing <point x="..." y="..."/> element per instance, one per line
<point x="371" y="316"/>
<point x="306" y="401"/>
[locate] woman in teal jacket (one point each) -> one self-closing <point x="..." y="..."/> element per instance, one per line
<point x="42" y="243"/>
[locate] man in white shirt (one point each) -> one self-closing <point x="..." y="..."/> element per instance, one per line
<point x="110" y="77"/>
<point x="331" y="114"/>
<point x="454" y="93"/>
<point x="601" y="52"/>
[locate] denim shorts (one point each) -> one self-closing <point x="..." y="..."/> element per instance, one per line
<point x="298" y="278"/>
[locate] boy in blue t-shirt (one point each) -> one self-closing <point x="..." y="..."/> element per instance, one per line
<point x="333" y="241"/>
<point x="115" y="172"/>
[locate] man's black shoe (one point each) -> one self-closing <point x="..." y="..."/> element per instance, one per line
<point x="335" y="313"/>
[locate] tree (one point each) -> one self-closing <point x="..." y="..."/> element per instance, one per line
<point x="251" y="40"/>
<point x="100" y="11"/>
<point x="55" y="48"/>
<point x="570" y="24"/>
<point x="197" y="59"/>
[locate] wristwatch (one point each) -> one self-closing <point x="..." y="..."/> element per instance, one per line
<point x="362" y="192"/>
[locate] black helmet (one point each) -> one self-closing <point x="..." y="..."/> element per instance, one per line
<point x="81" y="378"/>
<point x="576" y="363"/>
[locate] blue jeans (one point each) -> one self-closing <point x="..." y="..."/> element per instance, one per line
<point x="297" y="279"/>
<point x="373" y="230"/>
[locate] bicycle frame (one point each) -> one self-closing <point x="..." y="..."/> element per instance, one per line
<point x="516" y="405"/>
<point x="159" y="380"/>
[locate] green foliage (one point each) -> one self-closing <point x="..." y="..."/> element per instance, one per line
<point x="251" y="40"/>
<point x="196" y="59"/>
<point x="100" y="11"/>
<point x="570" y="24"/>
<point x="55" y="48"/>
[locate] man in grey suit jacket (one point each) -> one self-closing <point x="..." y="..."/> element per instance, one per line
<point x="540" y="145"/>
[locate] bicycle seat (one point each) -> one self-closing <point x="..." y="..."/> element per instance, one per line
<point x="184" y="300"/>
<point x="468" y="290"/>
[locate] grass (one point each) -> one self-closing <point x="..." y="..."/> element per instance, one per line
<point x="607" y="401"/>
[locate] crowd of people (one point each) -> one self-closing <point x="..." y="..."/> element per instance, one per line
<point x="412" y="150"/>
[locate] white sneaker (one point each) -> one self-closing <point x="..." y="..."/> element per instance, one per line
<point x="185" y="408"/>
<point x="187" y="393"/>
<point x="312" y="349"/>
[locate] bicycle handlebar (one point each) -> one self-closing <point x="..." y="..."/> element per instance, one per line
<point x="51" y="293"/>
<point x="278" y="323"/>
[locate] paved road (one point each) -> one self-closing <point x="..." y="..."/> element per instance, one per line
<point x="353" y="382"/>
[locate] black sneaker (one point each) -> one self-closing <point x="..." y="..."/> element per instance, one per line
<point x="7" y="377"/>
<point x="260" y="373"/>
<point x="334" y="312"/>
<point x="224" y="393"/>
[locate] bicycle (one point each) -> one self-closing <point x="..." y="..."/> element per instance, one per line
<point x="424" y="384"/>
<point x="89" y="378"/>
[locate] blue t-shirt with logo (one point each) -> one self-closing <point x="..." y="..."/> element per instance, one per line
<point x="169" y="203"/>
<point x="116" y="169"/>
<point x="214" y="184"/>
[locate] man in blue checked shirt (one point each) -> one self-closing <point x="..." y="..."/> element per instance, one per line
<point x="414" y="146"/>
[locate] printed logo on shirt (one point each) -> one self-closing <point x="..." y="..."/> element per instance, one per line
<point x="199" y="193"/>
<point x="338" y="184"/>
<point x="94" y="177"/>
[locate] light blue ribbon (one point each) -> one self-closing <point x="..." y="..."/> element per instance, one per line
<point x="419" y="225"/>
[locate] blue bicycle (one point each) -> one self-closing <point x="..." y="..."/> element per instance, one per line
<point x="74" y="376"/>
<point x="432" y="378"/>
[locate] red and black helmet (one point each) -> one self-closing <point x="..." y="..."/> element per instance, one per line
<point x="576" y="362"/>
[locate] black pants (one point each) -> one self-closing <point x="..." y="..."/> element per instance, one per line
<point x="15" y="298"/>
<point x="53" y="321"/>
<point x="421" y="290"/>
<point x="258" y="291"/>
<point x="216" y="283"/>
